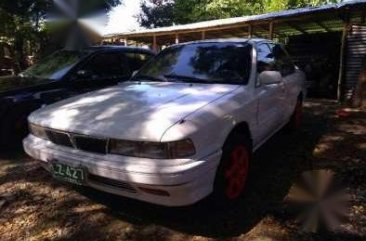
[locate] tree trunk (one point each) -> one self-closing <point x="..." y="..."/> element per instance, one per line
<point x="19" y="52"/>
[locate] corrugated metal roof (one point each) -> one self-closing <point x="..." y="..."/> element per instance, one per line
<point x="243" y="20"/>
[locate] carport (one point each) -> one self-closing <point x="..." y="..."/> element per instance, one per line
<point x="327" y="42"/>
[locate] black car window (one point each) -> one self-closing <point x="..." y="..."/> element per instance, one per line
<point x="283" y="61"/>
<point x="136" y="60"/>
<point x="265" y="58"/>
<point x="228" y="63"/>
<point x="107" y="65"/>
<point x="55" y="66"/>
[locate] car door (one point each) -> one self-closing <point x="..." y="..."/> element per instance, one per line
<point x="101" y="70"/>
<point x="270" y="97"/>
<point x="284" y="64"/>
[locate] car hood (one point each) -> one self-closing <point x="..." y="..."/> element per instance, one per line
<point x="131" y="111"/>
<point x="12" y="83"/>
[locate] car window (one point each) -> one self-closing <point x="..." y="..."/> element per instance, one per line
<point x="55" y="66"/>
<point x="136" y="60"/>
<point x="283" y="61"/>
<point x="201" y="62"/>
<point x="107" y="65"/>
<point x="265" y="58"/>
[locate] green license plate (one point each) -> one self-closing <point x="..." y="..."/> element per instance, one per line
<point x="69" y="174"/>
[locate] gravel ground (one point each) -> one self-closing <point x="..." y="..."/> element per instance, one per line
<point x="35" y="207"/>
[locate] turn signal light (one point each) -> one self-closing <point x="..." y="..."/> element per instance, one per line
<point x="156" y="192"/>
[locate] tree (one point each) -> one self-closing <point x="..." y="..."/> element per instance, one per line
<point x="21" y="26"/>
<point x="187" y="11"/>
<point x="278" y="5"/>
<point x="156" y="13"/>
<point x="20" y="22"/>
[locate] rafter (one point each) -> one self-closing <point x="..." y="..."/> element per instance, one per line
<point x="297" y="28"/>
<point x="320" y="24"/>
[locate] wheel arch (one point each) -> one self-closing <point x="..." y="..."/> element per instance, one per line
<point x="241" y="128"/>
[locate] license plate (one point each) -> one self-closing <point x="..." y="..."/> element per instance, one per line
<point x="67" y="173"/>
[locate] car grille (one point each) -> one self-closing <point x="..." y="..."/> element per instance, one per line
<point x="59" y="138"/>
<point x="80" y="142"/>
<point x="113" y="183"/>
<point x="91" y="144"/>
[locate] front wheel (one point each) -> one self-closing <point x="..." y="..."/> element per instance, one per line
<point x="232" y="174"/>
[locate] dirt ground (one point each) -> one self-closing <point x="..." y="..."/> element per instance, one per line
<point x="39" y="208"/>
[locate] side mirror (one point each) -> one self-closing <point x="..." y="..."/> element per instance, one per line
<point x="270" y="77"/>
<point x="134" y="73"/>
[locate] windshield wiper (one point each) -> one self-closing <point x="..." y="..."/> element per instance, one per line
<point x="148" y="77"/>
<point x="184" y="78"/>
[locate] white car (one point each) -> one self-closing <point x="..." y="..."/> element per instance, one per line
<point x="182" y="128"/>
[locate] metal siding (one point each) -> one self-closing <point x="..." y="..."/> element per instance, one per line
<point x="356" y="54"/>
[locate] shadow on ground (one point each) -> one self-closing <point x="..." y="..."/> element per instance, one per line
<point x="49" y="206"/>
<point x="275" y="166"/>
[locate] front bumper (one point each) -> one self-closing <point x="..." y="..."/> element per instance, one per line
<point x="186" y="181"/>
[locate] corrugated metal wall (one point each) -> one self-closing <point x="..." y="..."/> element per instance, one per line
<point x="355" y="58"/>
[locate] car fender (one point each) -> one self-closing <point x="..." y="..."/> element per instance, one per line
<point x="210" y="127"/>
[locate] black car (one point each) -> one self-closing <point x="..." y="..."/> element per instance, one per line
<point x="59" y="76"/>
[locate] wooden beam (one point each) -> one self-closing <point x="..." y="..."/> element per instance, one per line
<point x="268" y="30"/>
<point x="297" y="28"/>
<point x="342" y="62"/>
<point x="271" y="30"/>
<point x="250" y="31"/>
<point x="203" y="35"/>
<point x="320" y="24"/>
<point x="155" y="45"/>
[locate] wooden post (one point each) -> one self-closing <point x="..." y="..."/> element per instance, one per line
<point x="176" y="38"/>
<point x="155" y="45"/>
<point x="271" y="29"/>
<point x="203" y="35"/>
<point x="342" y="62"/>
<point x="250" y="31"/>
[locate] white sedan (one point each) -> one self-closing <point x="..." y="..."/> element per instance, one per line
<point x="183" y="128"/>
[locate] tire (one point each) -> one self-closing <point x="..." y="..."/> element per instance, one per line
<point x="232" y="174"/>
<point x="295" y="122"/>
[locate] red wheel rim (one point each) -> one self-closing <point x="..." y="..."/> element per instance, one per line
<point x="237" y="172"/>
<point x="298" y="114"/>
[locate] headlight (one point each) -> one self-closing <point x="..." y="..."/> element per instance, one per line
<point x="38" y="131"/>
<point x="153" y="150"/>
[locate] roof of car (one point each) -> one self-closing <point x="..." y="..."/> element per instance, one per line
<point x="119" y="47"/>
<point x="229" y="40"/>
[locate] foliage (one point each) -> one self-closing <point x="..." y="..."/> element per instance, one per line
<point x="278" y="5"/>
<point x="156" y="13"/>
<point x="21" y="24"/>
<point x="192" y="10"/>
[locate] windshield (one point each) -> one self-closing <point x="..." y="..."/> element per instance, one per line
<point x="54" y="66"/>
<point x="227" y="63"/>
